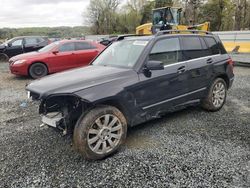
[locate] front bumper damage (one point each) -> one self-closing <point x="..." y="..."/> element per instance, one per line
<point x="53" y="119"/>
<point x="61" y="112"/>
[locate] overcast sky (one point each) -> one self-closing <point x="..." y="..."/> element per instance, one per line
<point x="39" y="13"/>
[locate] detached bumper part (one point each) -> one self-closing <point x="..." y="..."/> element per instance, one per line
<point x="52" y="119"/>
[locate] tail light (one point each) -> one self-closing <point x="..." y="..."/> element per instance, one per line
<point x="231" y="64"/>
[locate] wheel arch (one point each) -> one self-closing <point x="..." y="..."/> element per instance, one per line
<point x="117" y="104"/>
<point x="225" y="78"/>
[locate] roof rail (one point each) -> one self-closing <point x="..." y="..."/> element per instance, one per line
<point x="164" y="32"/>
<point x="122" y="37"/>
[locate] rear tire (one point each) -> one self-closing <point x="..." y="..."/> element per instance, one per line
<point x="100" y="132"/>
<point x="216" y="96"/>
<point x="38" y="70"/>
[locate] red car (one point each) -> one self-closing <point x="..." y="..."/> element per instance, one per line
<point x="56" y="57"/>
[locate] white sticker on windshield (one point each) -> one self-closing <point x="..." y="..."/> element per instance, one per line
<point x="140" y="42"/>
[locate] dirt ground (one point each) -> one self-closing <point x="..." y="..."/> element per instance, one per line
<point x="189" y="148"/>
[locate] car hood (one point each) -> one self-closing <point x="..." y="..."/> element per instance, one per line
<point x="26" y="56"/>
<point x="77" y="79"/>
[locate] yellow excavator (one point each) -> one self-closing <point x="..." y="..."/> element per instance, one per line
<point x="168" y="18"/>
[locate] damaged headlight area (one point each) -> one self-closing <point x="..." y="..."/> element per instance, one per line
<point x="62" y="112"/>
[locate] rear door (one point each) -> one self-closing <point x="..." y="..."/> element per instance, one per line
<point x="166" y="88"/>
<point x="64" y="59"/>
<point x="199" y="60"/>
<point x="85" y="53"/>
<point x="31" y="44"/>
<point x="34" y="43"/>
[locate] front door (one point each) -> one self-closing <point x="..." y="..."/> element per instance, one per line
<point x="14" y="48"/>
<point x="164" y="89"/>
<point x="64" y="59"/>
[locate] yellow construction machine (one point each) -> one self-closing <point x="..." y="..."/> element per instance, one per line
<point x="168" y="18"/>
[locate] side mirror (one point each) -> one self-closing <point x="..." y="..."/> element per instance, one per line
<point x="55" y="52"/>
<point x="9" y="44"/>
<point x="154" y="65"/>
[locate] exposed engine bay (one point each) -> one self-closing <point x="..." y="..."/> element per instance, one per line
<point x="61" y="112"/>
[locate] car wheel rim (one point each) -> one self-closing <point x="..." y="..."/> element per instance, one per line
<point x="104" y="134"/>
<point x="219" y="94"/>
<point x="38" y="70"/>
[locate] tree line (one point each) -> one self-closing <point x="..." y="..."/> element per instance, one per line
<point x="113" y="16"/>
<point x="51" y="32"/>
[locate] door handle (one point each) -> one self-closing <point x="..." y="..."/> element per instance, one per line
<point x="209" y="61"/>
<point x="181" y="69"/>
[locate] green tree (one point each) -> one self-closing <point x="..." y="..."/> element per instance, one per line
<point x="163" y="3"/>
<point x="213" y="11"/>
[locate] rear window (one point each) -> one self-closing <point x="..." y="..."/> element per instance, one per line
<point x="192" y="48"/>
<point x="213" y="45"/>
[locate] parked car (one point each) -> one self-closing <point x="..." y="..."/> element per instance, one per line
<point x="56" y="57"/>
<point x="132" y="81"/>
<point x="21" y="45"/>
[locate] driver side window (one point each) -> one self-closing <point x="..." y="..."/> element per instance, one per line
<point x="18" y="42"/>
<point x="167" y="51"/>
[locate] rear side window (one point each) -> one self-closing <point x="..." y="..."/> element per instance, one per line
<point x="31" y="41"/>
<point x="67" y="47"/>
<point x="40" y="40"/>
<point x="167" y="51"/>
<point x="213" y="46"/>
<point x="83" y="46"/>
<point x="192" y="48"/>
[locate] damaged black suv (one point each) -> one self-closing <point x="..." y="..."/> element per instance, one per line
<point x="132" y="81"/>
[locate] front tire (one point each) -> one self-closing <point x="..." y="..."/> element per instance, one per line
<point x="100" y="132"/>
<point x="4" y="58"/>
<point x="38" y="70"/>
<point x="216" y="96"/>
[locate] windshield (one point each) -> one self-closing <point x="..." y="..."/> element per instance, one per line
<point x="49" y="47"/>
<point x="121" y="54"/>
<point x="164" y="16"/>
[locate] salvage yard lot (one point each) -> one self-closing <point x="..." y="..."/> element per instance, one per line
<point x="189" y="148"/>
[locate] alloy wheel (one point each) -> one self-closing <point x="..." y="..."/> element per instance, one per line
<point x="104" y="134"/>
<point x="219" y="94"/>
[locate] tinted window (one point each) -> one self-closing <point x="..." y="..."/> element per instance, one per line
<point x="192" y="48"/>
<point x="17" y="42"/>
<point x="67" y="47"/>
<point x="31" y="41"/>
<point x="40" y="40"/>
<point x="83" y="46"/>
<point x="206" y="50"/>
<point x="167" y="51"/>
<point x="212" y="44"/>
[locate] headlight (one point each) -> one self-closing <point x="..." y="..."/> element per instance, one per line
<point x="19" y="62"/>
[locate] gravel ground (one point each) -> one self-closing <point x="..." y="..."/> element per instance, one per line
<point x="190" y="148"/>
